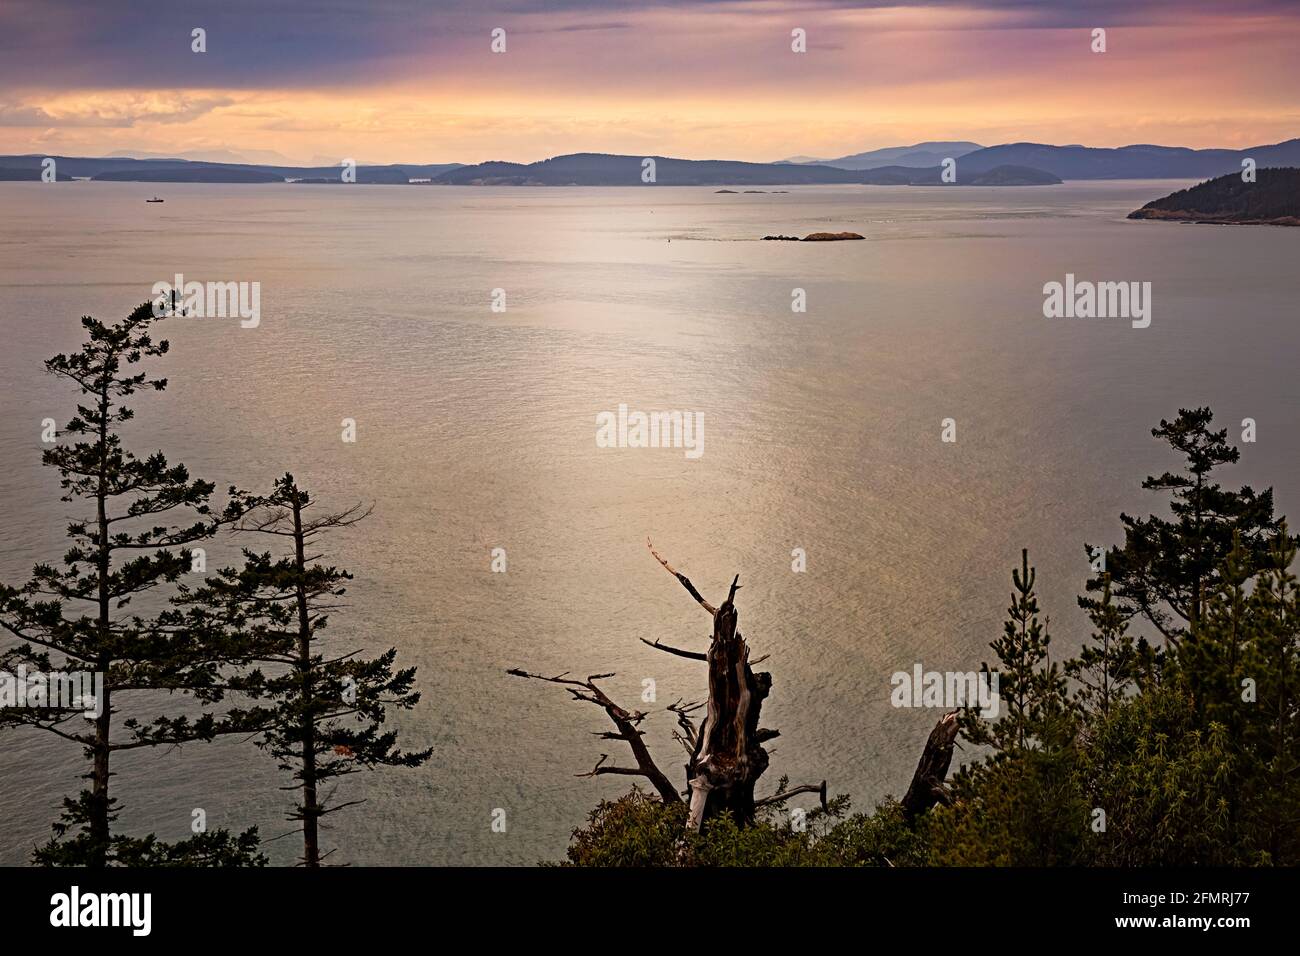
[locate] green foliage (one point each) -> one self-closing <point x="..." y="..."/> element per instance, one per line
<point x="1272" y="738"/>
<point x="634" y="830"/>
<point x="1107" y="667"/>
<point x="1024" y="809"/>
<point x="1032" y="690"/>
<point x="1165" y="784"/>
<point x="74" y="844"/>
<point x="880" y="838"/>
<point x="1022" y="806"/>
<point x="640" y="830"/>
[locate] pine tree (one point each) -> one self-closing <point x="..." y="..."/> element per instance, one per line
<point x="1274" y="733"/>
<point x="324" y="716"/>
<point x="144" y="514"/>
<point x="1024" y="805"/>
<point x="1106" y="668"/>
<point x="1165" y="568"/>
<point x="1211" y="659"/>
<point x="1201" y="768"/>
<point x="1031" y="688"/>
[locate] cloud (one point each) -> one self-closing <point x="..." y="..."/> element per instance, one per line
<point x="275" y="44"/>
<point x="17" y="116"/>
<point x="24" y="116"/>
<point x="115" y="112"/>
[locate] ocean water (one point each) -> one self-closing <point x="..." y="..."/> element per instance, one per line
<point x="476" y="430"/>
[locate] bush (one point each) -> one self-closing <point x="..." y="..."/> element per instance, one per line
<point x="640" y="830"/>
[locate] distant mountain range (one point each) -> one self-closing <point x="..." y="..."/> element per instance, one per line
<point x="176" y="170"/>
<point x="243" y="157"/>
<point x="1074" y="162"/>
<point x="601" y="169"/>
<point x="1130" y="162"/>
<point x="920" y="164"/>
<point x="920" y="155"/>
<point x="577" y="169"/>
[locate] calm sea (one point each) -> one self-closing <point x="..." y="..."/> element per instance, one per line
<point x="476" y="431"/>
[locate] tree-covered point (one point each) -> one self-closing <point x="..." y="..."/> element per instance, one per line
<point x="1272" y="197"/>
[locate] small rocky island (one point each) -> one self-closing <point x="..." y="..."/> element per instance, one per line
<point x="1272" y="199"/>
<point x="816" y="237"/>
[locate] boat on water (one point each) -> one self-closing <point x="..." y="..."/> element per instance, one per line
<point x="155" y="199"/>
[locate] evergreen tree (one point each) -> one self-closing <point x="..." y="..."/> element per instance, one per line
<point x="1197" y="770"/>
<point x="1273" y="734"/>
<point x="325" y="715"/>
<point x="1106" y="668"/>
<point x="1211" y="660"/>
<point x="142" y="516"/>
<point x="1022" y="807"/>
<point x="1031" y="688"/>
<point x="1165" y="568"/>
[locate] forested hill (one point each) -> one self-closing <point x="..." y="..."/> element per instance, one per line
<point x="1274" y="199"/>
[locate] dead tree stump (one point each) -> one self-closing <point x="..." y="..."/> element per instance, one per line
<point x="728" y="759"/>
<point x="927" y="787"/>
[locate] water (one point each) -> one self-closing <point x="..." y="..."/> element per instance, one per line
<point x="476" y="431"/>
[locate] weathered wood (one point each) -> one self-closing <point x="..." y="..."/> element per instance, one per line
<point x="927" y="787"/>
<point x="626" y="721"/>
<point x="817" y="788"/>
<point x="728" y="759"/>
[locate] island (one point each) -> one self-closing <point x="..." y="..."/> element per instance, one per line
<point x="816" y="237"/>
<point x="189" y="174"/>
<point x="9" y="174"/>
<point x="1273" y="199"/>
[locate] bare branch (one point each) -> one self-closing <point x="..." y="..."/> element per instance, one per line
<point x="693" y="655"/>
<point x="686" y="582"/>
<point x="624" y="720"/>
<point x="817" y="788"/>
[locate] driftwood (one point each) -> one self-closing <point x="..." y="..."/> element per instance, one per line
<point x="927" y="787"/>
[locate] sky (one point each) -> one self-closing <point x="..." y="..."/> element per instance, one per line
<point x="417" y="80"/>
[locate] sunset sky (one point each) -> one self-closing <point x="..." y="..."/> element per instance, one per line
<point x="409" y="81"/>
